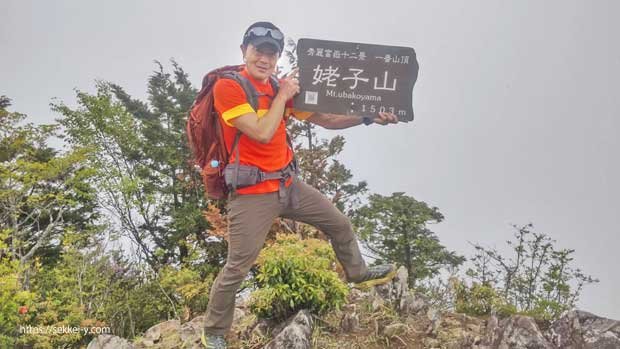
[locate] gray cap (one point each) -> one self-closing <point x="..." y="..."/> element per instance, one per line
<point x="257" y="40"/>
<point x="266" y="40"/>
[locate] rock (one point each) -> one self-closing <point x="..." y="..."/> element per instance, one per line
<point x="260" y="329"/>
<point x="394" y="329"/>
<point x="166" y="335"/>
<point x="350" y="322"/>
<point x="154" y="333"/>
<point x="401" y="283"/>
<point x="435" y="319"/>
<point x="107" y="341"/>
<point x="516" y="331"/>
<point x="145" y="343"/>
<point x="377" y="303"/>
<point x="491" y="327"/>
<point x="383" y="291"/>
<point x="392" y="292"/>
<point x="356" y="295"/>
<point x="190" y="331"/>
<point x="580" y="329"/>
<point x="398" y="295"/>
<point x="412" y="304"/>
<point x="297" y="334"/>
<point x="456" y="331"/>
<point x="238" y="315"/>
<point x="277" y="328"/>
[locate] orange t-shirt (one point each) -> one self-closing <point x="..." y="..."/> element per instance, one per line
<point x="231" y="102"/>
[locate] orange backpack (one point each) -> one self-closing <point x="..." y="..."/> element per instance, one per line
<point x="204" y="130"/>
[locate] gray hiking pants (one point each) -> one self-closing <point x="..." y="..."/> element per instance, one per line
<point x="250" y="218"/>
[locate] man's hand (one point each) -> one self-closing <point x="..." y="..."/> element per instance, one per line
<point x="386" y="118"/>
<point x="289" y="86"/>
<point x="262" y="129"/>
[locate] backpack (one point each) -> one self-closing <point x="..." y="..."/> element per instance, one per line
<point x="204" y="130"/>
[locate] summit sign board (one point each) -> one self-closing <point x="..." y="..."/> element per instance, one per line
<point x="356" y="79"/>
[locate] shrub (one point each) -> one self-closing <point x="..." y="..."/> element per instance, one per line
<point x="12" y="297"/>
<point x="480" y="299"/>
<point x="296" y="274"/>
<point x="188" y="289"/>
<point x="537" y="279"/>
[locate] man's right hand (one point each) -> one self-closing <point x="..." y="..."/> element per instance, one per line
<point x="289" y="86"/>
<point x="262" y="129"/>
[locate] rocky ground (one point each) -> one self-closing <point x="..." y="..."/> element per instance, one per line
<point x="388" y="316"/>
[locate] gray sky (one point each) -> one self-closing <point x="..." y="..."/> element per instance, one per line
<point x="515" y="116"/>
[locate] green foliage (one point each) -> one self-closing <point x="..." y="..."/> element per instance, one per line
<point x="297" y="274"/>
<point x="100" y="288"/>
<point x="127" y="158"/>
<point x="60" y="291"/>
<point x="43" y="193"/>
<point x="11" y="297"/>
<point x="537" y="279"/>
<point x="394" y="228"/>
<point x="145" y="176"/>
<point x="187" y="287"/>
<point x="45" y="200"/>
<point x="479" y="299"/>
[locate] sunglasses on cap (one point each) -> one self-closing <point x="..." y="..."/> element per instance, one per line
<point x="262" y="31"/>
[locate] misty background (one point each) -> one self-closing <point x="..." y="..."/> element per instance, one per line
<point x="516" y="103"/>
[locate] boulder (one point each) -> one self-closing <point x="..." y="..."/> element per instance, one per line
<point x="356" y="295"/>
<point x="260" y="329"/>
<point x="412" y="304"/>
<point x="516" y="331"/>
<point x="392" y="292"/>
<point x="238" y="315"/>
<point x="154" y="333"/>
<point x="171" y="334"/>
<point x="297" y="334"/>
<point x="400" y="283"/>
<point x="107" y="341"/>
<point x="579" y="329"/>
<point x="456" y="331"/>
<point x="190" y="331"/>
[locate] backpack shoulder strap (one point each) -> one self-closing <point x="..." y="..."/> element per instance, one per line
<point x="275" y="85"/>
<point x="249" y="89"/>
<point x="250" y="92"/>
<point x="252" y="97"/>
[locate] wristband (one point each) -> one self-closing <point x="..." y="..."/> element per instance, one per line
<point x="367" y="120"/>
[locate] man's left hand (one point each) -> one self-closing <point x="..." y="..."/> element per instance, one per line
<point x="386" y="118"/>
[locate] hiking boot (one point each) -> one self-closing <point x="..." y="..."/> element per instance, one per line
<point x="211" y="341"/>
<point x="376" y="275"/>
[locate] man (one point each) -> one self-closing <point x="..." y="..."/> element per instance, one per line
<point x="263" y="144"/>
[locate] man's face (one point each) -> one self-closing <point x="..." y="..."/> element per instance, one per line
<point x="261" y="61"/>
